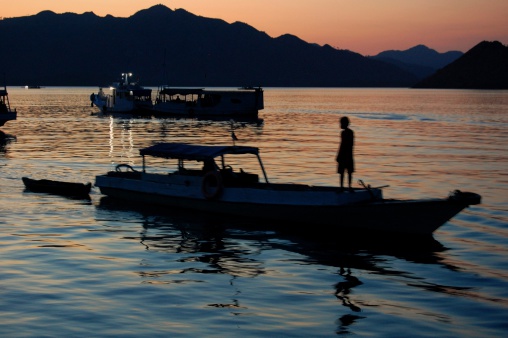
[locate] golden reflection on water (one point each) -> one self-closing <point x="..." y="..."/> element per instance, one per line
<point x="124" y="143"/>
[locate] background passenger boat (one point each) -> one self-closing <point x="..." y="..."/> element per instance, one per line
<point x="200" y="102"/>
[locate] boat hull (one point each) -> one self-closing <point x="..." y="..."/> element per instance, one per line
<point x="9" y="116"/>
<point x="58" y="187"/>
<point x="106" y="105"/>
<point x="337" y="211"/>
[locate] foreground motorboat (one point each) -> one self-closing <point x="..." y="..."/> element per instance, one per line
<point x="125" y="96"/>
<point x="6" y="113"/>
<point x="220" y="189"/>
<point x="208" y="103"/>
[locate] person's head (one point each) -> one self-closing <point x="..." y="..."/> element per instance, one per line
<point x="344" y="122"/>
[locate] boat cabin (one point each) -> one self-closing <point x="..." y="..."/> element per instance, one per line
<point x="6" y="113"/>
<point x="200" y="160"/>
<point x="179" y="96"/>
<point x="4" y="101"/>
<point x="130" y="90"/>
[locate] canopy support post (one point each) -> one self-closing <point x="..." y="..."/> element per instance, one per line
<point x="262" y="168"/>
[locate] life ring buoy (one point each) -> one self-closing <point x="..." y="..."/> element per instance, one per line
<point x="212" y="185"/>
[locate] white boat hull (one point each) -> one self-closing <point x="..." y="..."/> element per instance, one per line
<point x="110" y="104"/>
<point x="326" y="207"/>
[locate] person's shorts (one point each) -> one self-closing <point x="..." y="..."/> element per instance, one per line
<point x="345" y="166"/>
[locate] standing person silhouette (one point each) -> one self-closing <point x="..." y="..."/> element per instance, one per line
<point x="345" y="153"/>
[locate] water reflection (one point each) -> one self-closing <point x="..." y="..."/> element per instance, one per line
<point x="126" y="140"/>
<point x="237" y="119"/>
<point x="206" y="244"/>
<point x="127" y="134"/>
<point x="346" y="321"/>
<point x="149" y="270"/>
<point x="215" y="239"/>
<point x="199" y="238"/>
<point x="342" y="289"/>
<point x="196" y="246"/>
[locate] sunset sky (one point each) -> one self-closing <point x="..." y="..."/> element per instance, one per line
<point x="364" y="26"/>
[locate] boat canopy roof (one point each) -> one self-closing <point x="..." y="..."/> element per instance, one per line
<point x="181" y="91"/>
<point x="184" y="151"/>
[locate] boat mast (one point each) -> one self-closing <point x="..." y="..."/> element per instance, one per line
<point x="164" y="76"/>
<point x="125" y="78"/>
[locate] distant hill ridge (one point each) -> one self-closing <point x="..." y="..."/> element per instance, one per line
<point x="419" y="60"/>
<point x="175" y="47"/>
<point x="485" y="66"/>
<point x="84" y="49"/>
<point x="422" y="55"/>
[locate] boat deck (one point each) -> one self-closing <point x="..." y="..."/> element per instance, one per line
<point x="229" y="179"/>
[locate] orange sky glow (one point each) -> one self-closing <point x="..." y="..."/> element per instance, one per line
<point x="364" y="26"/>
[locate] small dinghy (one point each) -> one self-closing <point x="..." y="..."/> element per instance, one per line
<point x="70" y="189"/>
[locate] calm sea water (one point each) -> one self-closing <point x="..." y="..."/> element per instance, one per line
<point x="96" y="268"/>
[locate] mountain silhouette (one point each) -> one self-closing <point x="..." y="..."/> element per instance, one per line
<point x="178" y="48"/>
<point x="419" y="60"/>
<point x="485" y="66"/>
